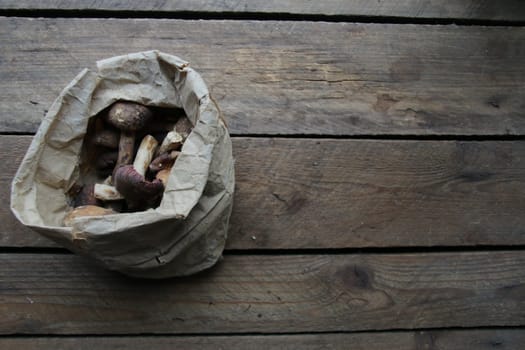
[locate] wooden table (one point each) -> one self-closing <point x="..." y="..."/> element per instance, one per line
<point x="380" y="160"/>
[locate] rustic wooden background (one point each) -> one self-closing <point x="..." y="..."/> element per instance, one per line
<point x="380" y="162"/>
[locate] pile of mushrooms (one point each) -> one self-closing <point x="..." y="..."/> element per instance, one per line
<point x="133" y="181"/>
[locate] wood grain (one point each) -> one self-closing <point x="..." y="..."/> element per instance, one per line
<point x="64" y="294"/>
<point x="472" y="9"/>
<point x="486" y="339"/>
<point x="282" y="77"/>
<point x="319" y="193"/>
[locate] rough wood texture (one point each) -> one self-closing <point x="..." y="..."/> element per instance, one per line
<point x="470" y="9"/>
<point x="291" y="77"/>
<point x="64" y="294"/>
<point x="301" y="193"/>
<point x="12" y="233"/>
<point x="486" y="339"/>
<point x="304" y="193"/>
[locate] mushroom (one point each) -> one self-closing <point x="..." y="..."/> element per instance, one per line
<point x="85" y="196"/>
<point x="183" y="126"/>
<point x="130" y="180"/>
<point x="108" y="180"/>
<point x="128" y="117"/>
<point x="171" y="142"/>
<point x="106" y="138"/>
<point x="157" y="125"/>
<point x="107" y="193"/>
<point x="106" y="160"/>
<point x="116" y="206"/>
<point x="138" y="191"/>
<point x="145" y="153"/>
<point x="163" y="161"/>
<point x="112" y="198"/>
<point x="73" y="191"/>
<point x="163" y="175"/>
<point x="86" y="210"/>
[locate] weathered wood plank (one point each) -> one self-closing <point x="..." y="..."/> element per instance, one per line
<point x="291" y="77"/>
<point x="507" y="10"/>
<point x="486" y="339"/>
<point x="64" y="294"/>
<point x="304" y="193"/>
<point x="348" y="193"/>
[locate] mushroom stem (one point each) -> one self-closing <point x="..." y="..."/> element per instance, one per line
<point x="86" y="196"/>
<point x="86" y="210"/>
<point x="107" y="193"/>
<point x="183" y="127"/>
<point x="145" y="153"/>
<point x="138" y="191"/>
<point x="108" y="180"/>
<point x="106" y="138"/>
<point x="171" y="142"/>
<point x="163" y="161"/>
<point x="125" y="149"/>
<point x="106" y="160"/>
<point x="163" y="175"/>
<point x="128" y="117"/>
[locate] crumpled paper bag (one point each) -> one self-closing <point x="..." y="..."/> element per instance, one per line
<point x="187" y="232"/>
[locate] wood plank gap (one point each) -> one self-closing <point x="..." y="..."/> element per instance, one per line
<point x="266" y="334"/>
<point x="311" y="251"/>
<point x="16" y="133"/>
<point x="34" y="250"/>
<point x="258" y="16"/>
<point x="400" y="137"/>
<point x="460" y="339"/>
<point x="396" y="137"/>
<point x="376" y="250"/>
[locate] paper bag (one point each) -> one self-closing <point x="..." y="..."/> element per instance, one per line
<point x="182" y="236"/>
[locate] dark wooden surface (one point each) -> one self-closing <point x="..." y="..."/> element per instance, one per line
<point x="63" y="294"/>
<point x="486" y="339"/>
<point x="321" y="193"/>
<point x="286" y="77"/>
<point x="503" y="10"/>
<point x="380" y="162"/>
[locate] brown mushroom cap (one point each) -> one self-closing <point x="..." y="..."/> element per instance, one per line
<point x="138" y="191"/>
<point x="106" y="160"/>
<point x="129" y="116"/>
<point x="106" y="138"/>
<point x="163" y="161"/>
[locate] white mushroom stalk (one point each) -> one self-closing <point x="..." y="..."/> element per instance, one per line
<point x="145" y="154"/>
<point x="171" y="142"/>
<point x="107" y="193"/>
